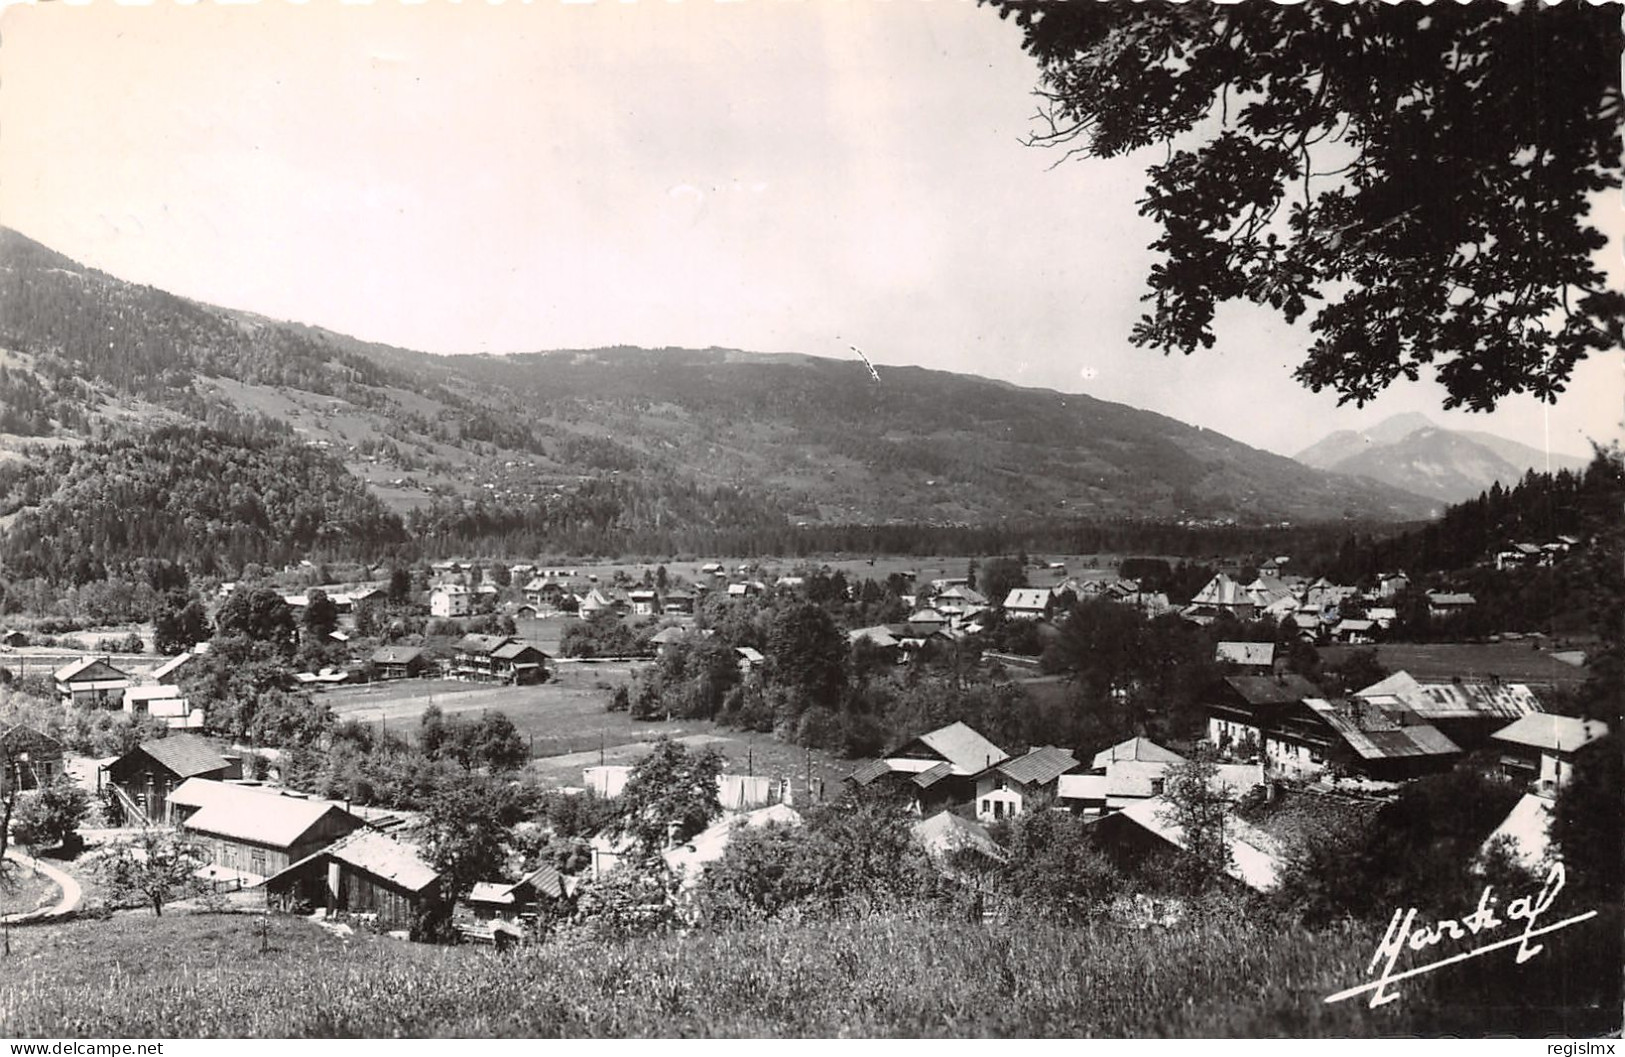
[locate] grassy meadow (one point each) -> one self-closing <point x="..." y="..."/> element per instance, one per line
<point x="887" y="973"/>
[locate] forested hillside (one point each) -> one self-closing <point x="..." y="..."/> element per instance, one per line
<point x="781" y="440"/>
<point x="189" y="495"/>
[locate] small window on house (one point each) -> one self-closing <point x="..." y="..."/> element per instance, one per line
<point x="1156" y="786"/>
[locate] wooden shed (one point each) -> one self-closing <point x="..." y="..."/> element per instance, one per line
<point x="144" y="777"/>
<point x="252" y="832"/>
<point x="367" y="873"/>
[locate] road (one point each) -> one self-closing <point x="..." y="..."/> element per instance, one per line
<point x="72" y="894"/>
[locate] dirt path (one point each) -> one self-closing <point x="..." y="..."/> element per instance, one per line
<point x="72" y="894"/>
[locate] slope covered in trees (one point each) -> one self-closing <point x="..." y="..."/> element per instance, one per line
<point x="187" y="495"/>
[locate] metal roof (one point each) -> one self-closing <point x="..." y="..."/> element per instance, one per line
<point x="1435" y="701"/>
<point x="384" y="856"/>
<point x="1375" y="736"/>
<point x="1259" y="653"/>
<point x="261" y="817"/>
<point x="928" y="778"/>
<point x="1039" y="766"/>
<point x="1541" y="730"/>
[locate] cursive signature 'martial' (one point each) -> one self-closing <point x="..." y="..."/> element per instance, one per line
<point x="1403" y="932"/>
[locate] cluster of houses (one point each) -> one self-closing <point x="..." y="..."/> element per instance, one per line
<point x="1276" y="738"/>
<point x="1524" y="555"/>
<point x="1319" y="610"/>
<point x="95" y="682"/>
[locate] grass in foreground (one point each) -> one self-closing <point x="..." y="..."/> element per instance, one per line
<point x="886" y="974"/>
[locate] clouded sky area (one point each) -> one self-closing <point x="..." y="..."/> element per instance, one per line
<point x="780" y="177"/>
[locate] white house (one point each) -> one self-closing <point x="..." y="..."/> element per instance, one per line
<point x="449" y="601"/>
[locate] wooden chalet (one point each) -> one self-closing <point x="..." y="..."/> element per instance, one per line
<point x="937" y="769"/>
<point x="399" y="662"/>
<point x="1009" y="787"/>
<point x="29" y="759"/>
<point x="1470" y="713"/>
<point x="143" y="778"/>
<point x="366" y="873"/>
<point x="93" y="682"/>
<point x="252" y="832"/>
<point x="1541" y="749"/>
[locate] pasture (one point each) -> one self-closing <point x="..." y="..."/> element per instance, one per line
<point x="1516" y="662"/>
<point x="568" y="728"/>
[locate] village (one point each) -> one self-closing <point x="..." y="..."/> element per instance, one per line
<point x="1272" y="757"/>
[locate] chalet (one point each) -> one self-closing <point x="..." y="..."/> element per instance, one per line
<point x="1355" y="632"/>
<point x="750" y="659"/>
<point x="935" y="769"/>
<point x="1521" y="555"/>
<point x="399" y="662"/>
<point x="93" y="682"/>
<point x="365" y="873"/>
<point x="1357" y="736"/>
<point x="143" y="778"/>
<point x="1245" y="707"/>
<point x="1028" y="603"/>
<point x="519" y="662"/>
<point x="1445" y="604"/>
<point x="252" y="832"/>
<point x="1383" y="617"/>
<point x="923" y="623"/>
<point x="1541" y="748"/>
<point x="713" y="569"/>
<point x="1392" y="585"/>
<point x="515" y="902"/>
<point x="1147" y="829"/>
<point x="1010" y="786"/>
<point x="29" y="759"/>
<point x="677" y="604"/>
<point x="450" y="601"/>
<point x="1469" y="713"/>
<point x="1220" y="596"/>
<point x="1255" y="655"/>
<point x="166" y="702"/>
<point x="594" y="602"/>
<point x="541" y="592"/>
<point x="665" y="637"/>
<point x="645" y="602"/>
<point x="474" y="657"/>
<point x="14" y="639"/>
<point x="879" y="638"/>
<point x="958" y="599"/>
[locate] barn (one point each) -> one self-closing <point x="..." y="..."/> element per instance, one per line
<point x="252" y="832"/>
<point x="366" y="873"/>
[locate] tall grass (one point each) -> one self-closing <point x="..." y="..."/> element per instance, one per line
<point x="898" y="973"/>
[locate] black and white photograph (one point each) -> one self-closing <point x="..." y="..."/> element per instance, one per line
<point x="746" y="519"/>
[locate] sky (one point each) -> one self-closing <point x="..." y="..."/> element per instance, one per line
<point x="767" y="175"/>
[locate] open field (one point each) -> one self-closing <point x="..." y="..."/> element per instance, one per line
<point x="907" y="972"/>
<point x="568" y="728"/>
<point x="1515" y="662"/>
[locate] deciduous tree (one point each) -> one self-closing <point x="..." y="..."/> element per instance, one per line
<point x="1426" y="172"/>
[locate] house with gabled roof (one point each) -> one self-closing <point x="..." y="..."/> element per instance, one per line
<point x="473" y="656"/>
<point x="936" y="769"/>
<point x="367" y="873"/>
<point x="252" y="832"/>
<point x="1357" y="736"/>
<point x="1007" y="788"/>
<point x="450" y="601"/>
<point x="143" y="778"/>
<point x="399" y="662"/>
<point x="29" y="758"/>
<point x="945" y="835"/>
<point x="515" y="902"/>
<point x="1243" y="707"/>
<point x="1469" y="712"/>
<point x="92" y="682"/>
<point x="1028" y="603"/>
<point x="1443" y="604"/>
<point x="1541" y="749"/>
<point x="1222" y="595"/>
<point x="520" y="662"/>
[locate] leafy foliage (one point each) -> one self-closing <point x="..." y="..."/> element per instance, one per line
<point x="157" y="868"/>
<point x="1437" y="167"/>
<point x="50" y="816"/>
<point x="671" y="791"/>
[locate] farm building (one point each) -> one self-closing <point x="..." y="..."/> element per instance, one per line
<point x="29" y="759"/>
<point x="937" y="769"/>
<point x="399" y="662"/>
<point x="163" y="701"/>
<point x="1469" y="713"/>
<point x="143" y="778"/>
<point x="1028" y="603"/>
<point x="1257" y="655"/>
<point x="512" y="901"/>
<point x="1009" y="787"/>
<point x="252" y="832"/>
<point x="1541" y="749"/>
<point x="365" y="873"/>
<point x="92" y="681"/>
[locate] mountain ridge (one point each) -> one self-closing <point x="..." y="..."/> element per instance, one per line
<point x="814" y="437"/>
<point x="1409" y="451"/>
